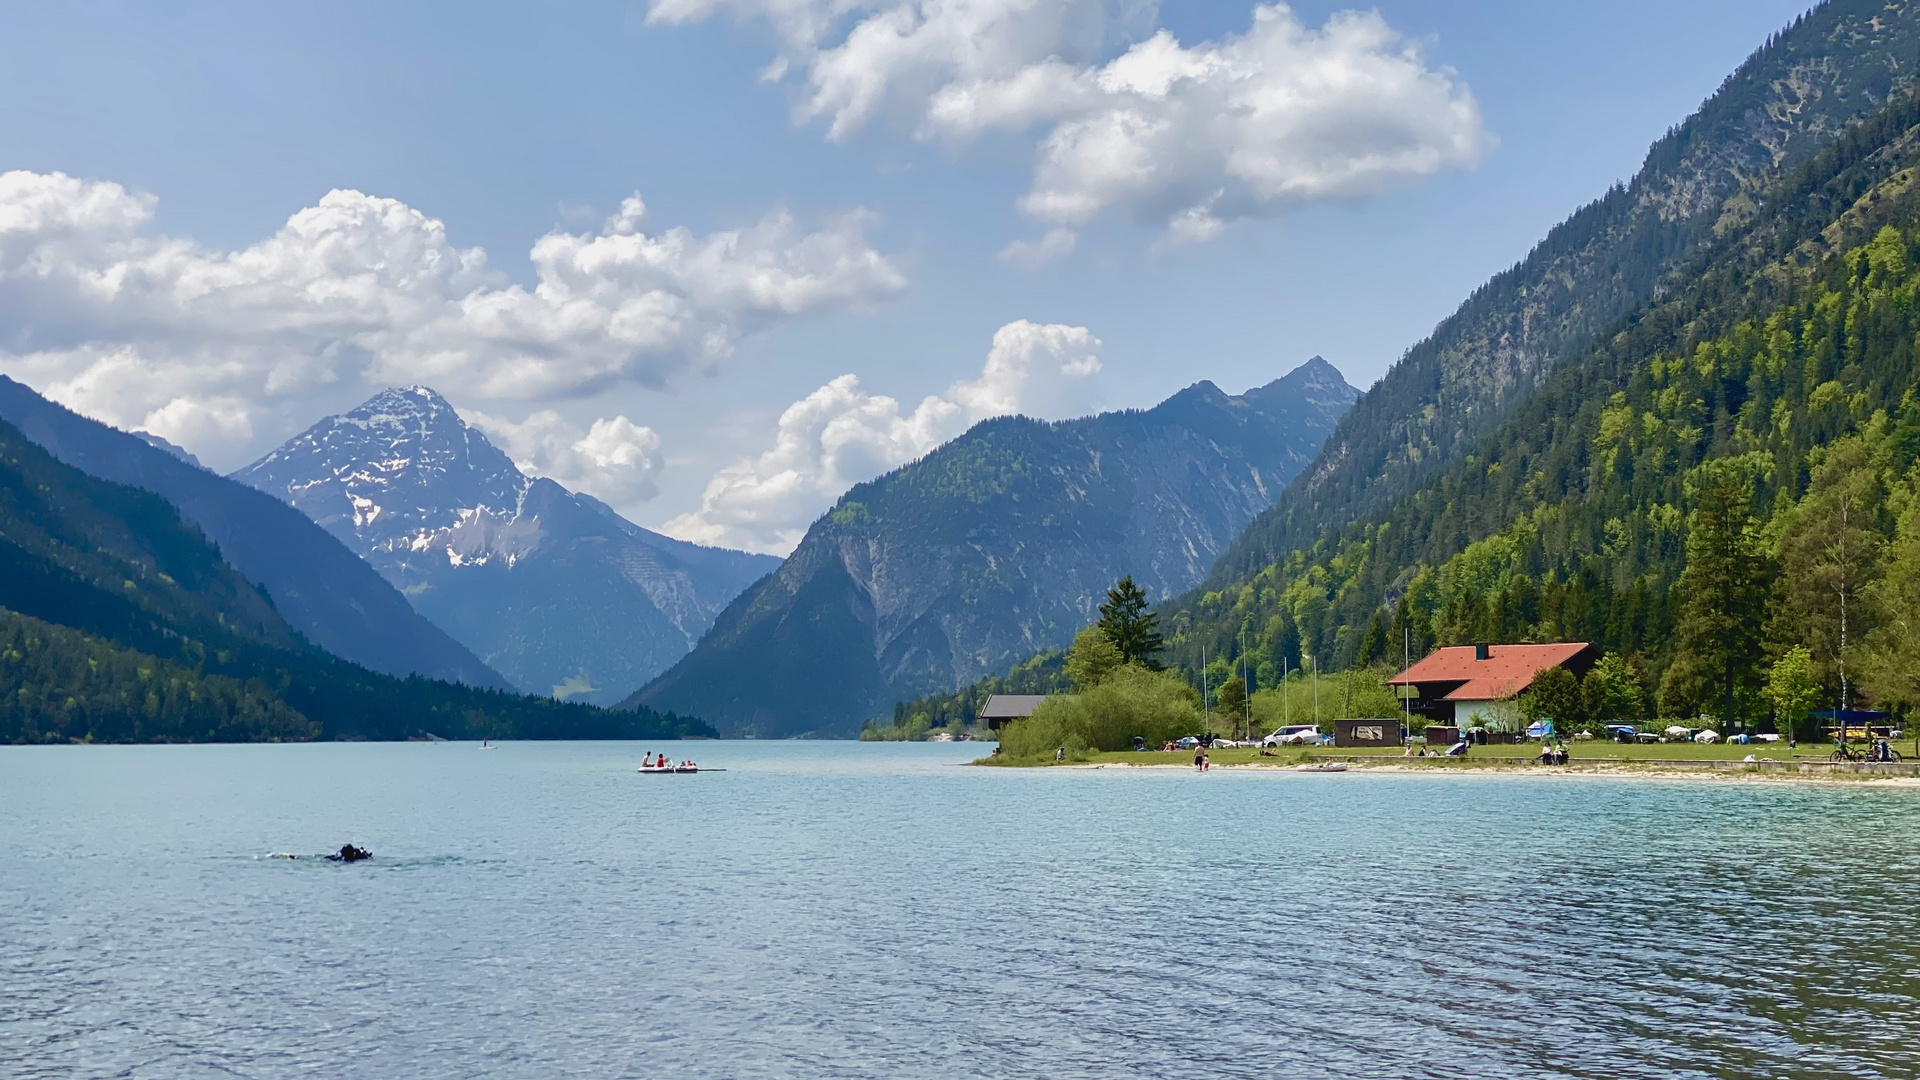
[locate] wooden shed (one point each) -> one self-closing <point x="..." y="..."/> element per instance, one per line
<point x="1002" y="709"/>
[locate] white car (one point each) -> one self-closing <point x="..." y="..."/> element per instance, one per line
<point x="1293" y="735"/>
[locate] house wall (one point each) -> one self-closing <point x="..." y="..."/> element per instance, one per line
<point x="1492" y="715"/>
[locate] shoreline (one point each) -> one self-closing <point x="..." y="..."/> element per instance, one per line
<point x="1592" y="770"/>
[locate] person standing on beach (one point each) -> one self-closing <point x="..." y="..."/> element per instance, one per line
<point x="1199" y="758"/>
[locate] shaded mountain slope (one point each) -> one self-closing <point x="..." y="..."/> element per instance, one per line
<point x="118" y="620"/>
<point x="323" y="590"/>
<point x="1571" y="520"/>
<point x="554" y="589"/>
<point x="1841" y="61"/>
<point x="990" y="548"/>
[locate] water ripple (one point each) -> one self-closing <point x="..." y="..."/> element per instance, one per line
<point x="854" y="911"/>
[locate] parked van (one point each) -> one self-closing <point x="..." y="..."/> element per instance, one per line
<point x="1293" y="735"/>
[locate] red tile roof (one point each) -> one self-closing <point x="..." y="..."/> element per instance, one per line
<point x="1508" y="669"/>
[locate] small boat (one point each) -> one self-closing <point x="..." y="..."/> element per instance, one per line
<point x="1324" y="766"/>
<point x="651" y="764"/>
<point x="485" y="745"/>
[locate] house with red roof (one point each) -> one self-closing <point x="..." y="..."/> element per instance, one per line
<point x="1467" y="684"/>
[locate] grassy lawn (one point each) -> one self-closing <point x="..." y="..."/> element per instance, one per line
<point x="1581" y="751"/>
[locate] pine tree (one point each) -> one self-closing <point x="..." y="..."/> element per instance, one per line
<point x="1723" y="599"/>
<point x="1373" y="646"/>
<point x="1233" y="702"/>
<point x="1126" y="622"/>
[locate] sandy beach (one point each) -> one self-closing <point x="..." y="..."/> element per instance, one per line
<point x="1591" y="770"/>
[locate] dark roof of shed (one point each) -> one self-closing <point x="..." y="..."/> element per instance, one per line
<point x="1010" y="706"/>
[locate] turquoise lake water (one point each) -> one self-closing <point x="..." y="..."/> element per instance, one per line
<point x="872" y="910"/>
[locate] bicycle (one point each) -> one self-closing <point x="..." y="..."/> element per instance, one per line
<point x="1848" y="753"/>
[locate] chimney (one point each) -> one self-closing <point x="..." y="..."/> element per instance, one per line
<point x="1481" y="650"/>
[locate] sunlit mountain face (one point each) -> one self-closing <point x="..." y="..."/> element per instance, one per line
<point x="552" y="588"/>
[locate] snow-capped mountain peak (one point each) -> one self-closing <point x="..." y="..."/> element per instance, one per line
<point x="403" y="472"/>
<point x="555" y="590"/>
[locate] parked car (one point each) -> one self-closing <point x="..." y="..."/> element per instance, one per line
<point x="1293" y="735"/>
<point x="1187" y="742"/>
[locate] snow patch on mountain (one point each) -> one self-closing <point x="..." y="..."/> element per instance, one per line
<point x="552" y="587"/>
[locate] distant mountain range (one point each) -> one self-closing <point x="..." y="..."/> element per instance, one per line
<point x="993" y="546"/>
<point x="120" y="622"/>
<point x="552" y="588"/>
<point x="323" y="590"/>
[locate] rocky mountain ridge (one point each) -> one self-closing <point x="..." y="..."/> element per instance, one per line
<point x="993" y="546"/>
<point x="557" y="591"/>
<point x="1841" y="61"/>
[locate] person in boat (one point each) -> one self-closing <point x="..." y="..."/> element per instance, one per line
<point x="350" y="853"/>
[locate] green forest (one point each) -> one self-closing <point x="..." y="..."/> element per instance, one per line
<point x="1722" y="493"/>
<point x="1728" y="477"/>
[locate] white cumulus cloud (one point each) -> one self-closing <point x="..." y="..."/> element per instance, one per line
<point x="1186" y="139"/>
<point x="615" y="460"/>
<point x="842" y="434"/>
<point x="199" y="345"/>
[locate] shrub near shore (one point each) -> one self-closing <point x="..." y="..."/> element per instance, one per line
<point x="1131" y="701"/>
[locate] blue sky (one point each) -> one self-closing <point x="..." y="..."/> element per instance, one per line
<point x="510" y="124"/>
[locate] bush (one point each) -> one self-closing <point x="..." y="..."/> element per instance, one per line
<point x="1155" y="706"/>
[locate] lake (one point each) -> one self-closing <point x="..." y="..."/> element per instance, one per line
<point x="854" y="910"/>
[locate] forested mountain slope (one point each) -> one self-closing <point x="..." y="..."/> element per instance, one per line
<point x="552" y="588"/>
<point x="1766" y="407"/>
<point x="990" y="548"/>
<point x="1843" y="60"/>
<point x="119" y="621"/>
<point x="323" y="590"/>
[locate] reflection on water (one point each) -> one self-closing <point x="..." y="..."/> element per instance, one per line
<point x="868" y="910"/>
